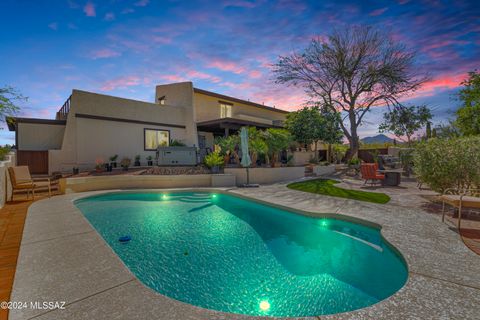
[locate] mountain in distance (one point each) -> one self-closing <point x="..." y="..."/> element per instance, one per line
<point x="379" y="138"/>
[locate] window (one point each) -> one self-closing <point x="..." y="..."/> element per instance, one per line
<point x="155" y="138"/>
<point x="225" y="110"/>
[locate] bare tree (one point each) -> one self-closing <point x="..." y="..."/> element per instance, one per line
<point x="357" y="68"/>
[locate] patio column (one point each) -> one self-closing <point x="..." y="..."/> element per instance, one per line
<point x="227" y="132"/>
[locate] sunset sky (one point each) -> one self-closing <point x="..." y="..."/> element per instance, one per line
<point x="125" y="48"/>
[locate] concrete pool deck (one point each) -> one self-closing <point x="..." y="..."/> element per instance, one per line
<point x="62" y="258"/>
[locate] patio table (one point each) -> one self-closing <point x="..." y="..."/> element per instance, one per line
<point x="392" y="176"/>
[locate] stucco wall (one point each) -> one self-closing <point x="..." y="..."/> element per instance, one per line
<point x="5" y="185"/>
<point x="266" y="175"/>
<point x="180" y="95"/>
<point x="39" y="137"/>
<point x="301" y="158"/>
<point x="207" y="108"/>
<point x="87" y="139"/>
<point x="69" y="185"/>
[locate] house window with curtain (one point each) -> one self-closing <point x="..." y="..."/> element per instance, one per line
<point x="155" y="138"/>
<point x="225" y="110"/>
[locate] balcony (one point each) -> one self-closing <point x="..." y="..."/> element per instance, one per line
<point x="62" y="114"/>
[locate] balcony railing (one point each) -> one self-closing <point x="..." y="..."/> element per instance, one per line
<point x="62" y="114"/>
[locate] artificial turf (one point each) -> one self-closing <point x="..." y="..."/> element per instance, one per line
<point x="327" y="187"/>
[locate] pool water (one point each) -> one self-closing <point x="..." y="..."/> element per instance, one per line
<point x="222" y="252"/>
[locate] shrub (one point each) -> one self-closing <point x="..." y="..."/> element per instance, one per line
<point x="176" y="143"/>
<point x="125" y="163"/>
<point x="3" y="152"/>
<point x="214" y="159"/>
<point x="448" y="163"/>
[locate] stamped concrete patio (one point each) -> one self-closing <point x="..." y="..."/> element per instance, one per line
<point x="62" y="258"/>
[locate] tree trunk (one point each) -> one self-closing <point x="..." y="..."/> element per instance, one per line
<point x="353" y="139"/>
<point x="316" y="152"/>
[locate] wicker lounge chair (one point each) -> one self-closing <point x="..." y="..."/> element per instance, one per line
<point x="460" y="198"/>
<point x="22" y="180"/>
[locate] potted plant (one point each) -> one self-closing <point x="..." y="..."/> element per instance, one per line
<point x="76" y="170"/>
<point x="137" y="160"/>
<point x="214" y="161"/>
<point x="99" y="165"/>
<point x="125" y="163"/>
<point x="113" y="161"/>
<point x="150" y="161"/>
<point x="108" y="167"/>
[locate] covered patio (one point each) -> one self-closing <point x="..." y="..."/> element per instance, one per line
<point x="226" y="126"/>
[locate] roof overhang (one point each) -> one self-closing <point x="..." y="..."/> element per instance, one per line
<point x="12" y="122"/>
<point x="219" y="125"/>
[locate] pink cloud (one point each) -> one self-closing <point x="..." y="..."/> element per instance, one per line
<point x="141" y="3"/>
<point x="378" y="12"/>
<point x="173" y="78"/>
<point x="444" y="43"/>
<point x="89" y="9"/>
<point x="104" y="53"/>
<point x="226" y="66"/>
<point x="109" y="16"/>
<point x="254" y="74"/>
<point x="439" y="83"/>
<point x="121" y="83"/>
<point x="192" y="74"/>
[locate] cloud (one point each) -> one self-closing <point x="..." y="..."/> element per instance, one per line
<point x="141" y="3"/>
<point x="53" y="26"/>
<point x="241" y="3"/>
<point x="121" y="83"/>
<point x="254" y="74"/>
<point x="104" y="53"/>
<point x="89" y="9"/>
<point x="378" y="12"/>
<point x="72" y="26"/>
<point x="224" y="65"/>
<point x="109" y="16"/>
<point x="127" y="11"/>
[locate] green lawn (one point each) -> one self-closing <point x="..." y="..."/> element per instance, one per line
<point x="327" y="187"/>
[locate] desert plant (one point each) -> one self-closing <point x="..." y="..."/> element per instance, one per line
<point x="276" y="141"/>
<point x="406" y="158"/>
<point x="113" y="158"/>
<point x="339" y="152"/>
<point x="99" y="164"/>
<point x="448" y="163"/>
<point x="214" y="161"/>
<point x="354" y="162"/>
<point x="4" y="151"/>
<point x="125" y="163"/>
<point x="229" y="146"/>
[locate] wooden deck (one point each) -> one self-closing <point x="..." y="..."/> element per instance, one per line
<point x="12" y="220"/>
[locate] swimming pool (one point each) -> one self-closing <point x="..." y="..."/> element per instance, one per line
<point x="222" y="252"/>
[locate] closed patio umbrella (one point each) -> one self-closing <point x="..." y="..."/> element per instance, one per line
<point x="246" y="161"/>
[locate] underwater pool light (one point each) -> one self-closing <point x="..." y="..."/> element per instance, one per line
<point x="214" y="196"/>
<point x="264" y="305"/>
<point x="164" y="197"/>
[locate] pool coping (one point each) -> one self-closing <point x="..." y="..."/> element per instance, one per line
<point x="57" y="225"/>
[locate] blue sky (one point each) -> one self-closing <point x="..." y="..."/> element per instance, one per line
<point x="125" y="48"/>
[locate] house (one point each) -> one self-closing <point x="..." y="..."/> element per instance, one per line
<point x="92" y="126"/>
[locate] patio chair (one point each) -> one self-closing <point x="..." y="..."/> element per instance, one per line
<point x="369" y="172"/>
<point x="22" y="180"/>
<point x="460" y="198"/>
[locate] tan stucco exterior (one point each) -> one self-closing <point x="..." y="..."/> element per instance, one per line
<point x="207" y="108"/>
<point x="40" y="137"/>
<point x="99" y="126"/>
